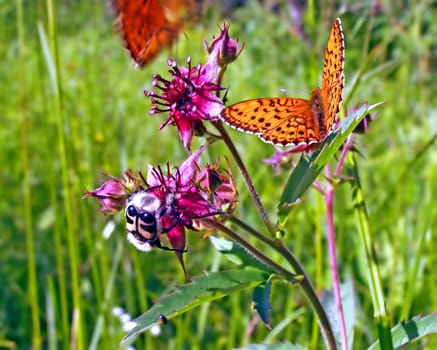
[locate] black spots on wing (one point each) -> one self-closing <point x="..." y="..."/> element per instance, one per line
<point x="281" y="130"/>
<point x="282" y="102"/>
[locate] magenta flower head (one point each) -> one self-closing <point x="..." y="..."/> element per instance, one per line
<point x="163" y="203"/>
<point x="189" y="98"/>
<point x="223" y="50"/>
<point x="219" y="186"/>
<point x="113" y="194"/>
<point x="175" y="200"/>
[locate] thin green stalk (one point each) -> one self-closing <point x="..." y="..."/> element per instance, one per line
<point x="256" y="252"/>
<point x="250" y="230"/>
<point x="305" y="282"/>
<point x="26" y="186"/>
<point x="52" y="60"/>
<point x="411" y="285"/>
<point x="409" y="169"/>
<point x="100" y="320"/>
<point x="241" y="167"/>
<point x="380" y="314"/>
<point x="310" y="293"/>
<point x="246" y="177"/>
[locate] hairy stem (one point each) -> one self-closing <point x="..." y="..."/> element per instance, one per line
<point x="246" y="178"/>
<point x="256" y="252"/>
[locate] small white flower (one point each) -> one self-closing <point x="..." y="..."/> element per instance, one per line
<point x="117" y="311"/>
<point x="125" y="317"/>
<point x="155" y="330"/>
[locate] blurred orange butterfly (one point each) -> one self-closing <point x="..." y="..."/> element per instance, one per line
<point x="295" y="121"/>
<point x="148" y="26"/>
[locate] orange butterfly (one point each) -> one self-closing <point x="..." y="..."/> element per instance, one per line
<point x="295" y="121"/>
<point x="147" y="26"/>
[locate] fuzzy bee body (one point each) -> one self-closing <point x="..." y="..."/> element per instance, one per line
<point x="144" y="212"/>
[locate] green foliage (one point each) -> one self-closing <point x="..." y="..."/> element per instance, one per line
<point x="237" y="254"/>
<point x="310" y="165"/>
<point x="74" y="110"/>
<point x="200" y="290"/>
<point x="261" y="301"/>
<point x="412" y="330"/>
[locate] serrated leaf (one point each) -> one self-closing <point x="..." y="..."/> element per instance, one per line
<point x="201" y="289"/>
<point x="310" y="165"/>
<point x="261" y="301"/>
<point x="407" y="332"/>
<point x="238" y="255"/>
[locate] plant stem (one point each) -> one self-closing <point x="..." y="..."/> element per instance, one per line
<point x="380" y="314"/>
<point x="246" y="177"/>
<point x="251" y="230"/>
<point x="329" y="200"/>
<point x="256" y="252"/>
<point x="25" y="160"/>
<point x="305" y="282"/>
<point x="310" y="293"/>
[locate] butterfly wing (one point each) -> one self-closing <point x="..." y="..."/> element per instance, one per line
<point x="280" y="121"/>
<point x="294" y="121"/>
<point x="145" y="28"/>
<point x="333" y="75"/>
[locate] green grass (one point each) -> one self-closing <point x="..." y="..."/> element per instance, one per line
<point x="71" y="112"/>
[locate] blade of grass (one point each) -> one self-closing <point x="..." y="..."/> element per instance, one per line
<point x="26" y="187"/>
<point x="51" y="55"/>
<point x="380" y="314"/>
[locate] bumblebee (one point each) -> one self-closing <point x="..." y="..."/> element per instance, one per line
<point x="144" y="212"/>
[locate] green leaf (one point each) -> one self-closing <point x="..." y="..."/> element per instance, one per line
<point x="238" y="255"/>
<point x="407" y="332"/>
<point x="200" y="290"/>
<point x="310" y="165"/>
<point x="261" y="301"/>
<point x="348" y="301"/>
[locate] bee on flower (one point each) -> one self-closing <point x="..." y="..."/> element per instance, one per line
<point x="166" y="202"/>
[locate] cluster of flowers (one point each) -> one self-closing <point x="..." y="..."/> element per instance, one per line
<point x="166" y="202"/>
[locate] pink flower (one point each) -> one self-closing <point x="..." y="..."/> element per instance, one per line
<point x="181" y="201"/>
<point x="222" y="50"/>
<point x="165" y="202"/>
<point x="112" y="194"/>
<point x="189" y="98"/>
<point x="219" y="186"/>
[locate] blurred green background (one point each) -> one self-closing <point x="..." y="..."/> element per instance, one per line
<point x="62" y="278"/>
